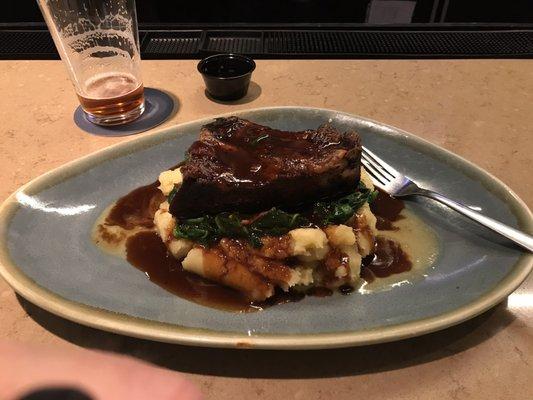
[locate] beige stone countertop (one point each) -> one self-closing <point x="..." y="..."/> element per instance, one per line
<point x="479" y="109"/>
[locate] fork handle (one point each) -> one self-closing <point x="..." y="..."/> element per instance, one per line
<point x="520" y="238"/>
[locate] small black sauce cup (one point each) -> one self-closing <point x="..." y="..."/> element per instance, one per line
<point x="227" y="76"/>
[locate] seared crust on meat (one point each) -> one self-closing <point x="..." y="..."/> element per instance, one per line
<point x="238" y="165"/>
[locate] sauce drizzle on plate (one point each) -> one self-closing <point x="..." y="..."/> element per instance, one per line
<point x="146" y="251"/>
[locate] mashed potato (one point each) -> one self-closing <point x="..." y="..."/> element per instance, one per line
<point x="321" y="257"/>
<point x="169" y="179"/>
<point x="308" y="244"/>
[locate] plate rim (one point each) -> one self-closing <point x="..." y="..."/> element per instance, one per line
<point x="165" y="332"/>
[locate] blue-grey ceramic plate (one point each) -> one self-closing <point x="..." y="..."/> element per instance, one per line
<point x="47" y="256"/>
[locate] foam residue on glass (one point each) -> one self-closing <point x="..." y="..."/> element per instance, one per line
<point x="98" y="40"/>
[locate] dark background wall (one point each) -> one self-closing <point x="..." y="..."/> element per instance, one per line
<point x="308" y="11"/>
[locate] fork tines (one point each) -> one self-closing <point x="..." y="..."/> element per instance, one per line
<point x="379" y="169"/>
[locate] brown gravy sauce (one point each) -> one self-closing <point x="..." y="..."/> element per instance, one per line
<point x="388" y="259"/>
<point x="246" y="149"/>
<point x="387" y="210"/>
<point x="148" y="253"/>
<point x="137" y="208"/>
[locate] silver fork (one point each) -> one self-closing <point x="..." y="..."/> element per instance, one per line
<point x="397" y="185"/>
